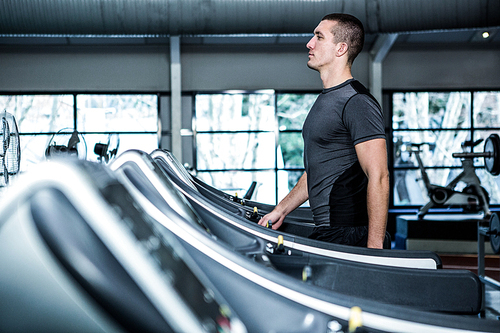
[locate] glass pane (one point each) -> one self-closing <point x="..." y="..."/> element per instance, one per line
<point x="491" y="184"/>
<point x="33" y="150"/>
<point x="144" y="142"/>
<point x="235" y="151"/>
<point x="293" y="109"/>
<point x="235" y="112"/>
<point x="117" y="113"/>
<point x="238" y="182"/>
<point x="290" y="150"/>
<point x="431" y="110"/>
<point x="409" y="189"/>
<point x="33" y="146"/>
<point x="39" y="113"/>
<point x="486" y="109"/>
<point x="437" y="152"/>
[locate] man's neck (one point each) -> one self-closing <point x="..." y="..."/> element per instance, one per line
<point x="332" y="78"/>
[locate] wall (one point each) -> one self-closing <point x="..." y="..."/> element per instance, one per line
<point x="144" y="68"/>
<point x="96" y="68"/>
<point x="442" y="69"/>
<point x="147" y="69"/>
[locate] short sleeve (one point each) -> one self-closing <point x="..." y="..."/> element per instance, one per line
<point x="363" y="118"/>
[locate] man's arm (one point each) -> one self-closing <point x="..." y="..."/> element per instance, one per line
<point x="372" y="156"/>
<point x="297" y="196"/>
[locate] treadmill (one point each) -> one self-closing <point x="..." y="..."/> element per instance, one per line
<point x="266" y="297"/>
<point x="433" y="290"/>
<point x="78" y="254"/>
<point x="239" y="216"/>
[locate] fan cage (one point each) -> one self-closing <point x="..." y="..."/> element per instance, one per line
<point x="10" y="151"/>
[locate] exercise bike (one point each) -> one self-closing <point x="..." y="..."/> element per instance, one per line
<point x="473" y="197"/>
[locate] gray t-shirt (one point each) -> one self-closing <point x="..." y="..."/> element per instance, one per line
<point x="341" y="117"/>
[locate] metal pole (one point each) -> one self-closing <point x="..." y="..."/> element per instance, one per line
<point x="175" y="97"/>
<point x="378" y="53"/>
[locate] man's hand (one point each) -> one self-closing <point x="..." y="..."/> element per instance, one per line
<point x="275" y="218"/>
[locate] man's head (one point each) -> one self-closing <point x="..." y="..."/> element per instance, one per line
<point x="337" y="35"/>
<point x="348" y="30"/>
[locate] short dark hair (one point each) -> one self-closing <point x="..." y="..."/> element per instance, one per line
<point x="349" y="30"/>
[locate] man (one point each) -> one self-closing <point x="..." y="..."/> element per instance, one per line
<point x="346" y="178"/>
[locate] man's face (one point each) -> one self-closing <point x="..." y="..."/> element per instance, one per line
<point x="322" y="46"/>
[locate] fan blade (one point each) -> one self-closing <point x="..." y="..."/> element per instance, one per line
<point x="73" y="141"/>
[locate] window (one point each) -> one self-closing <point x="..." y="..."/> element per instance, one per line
<point x="441" y="121"/>
<point x="291" y="110"/>
<point x="246" y="137"/>
<point x="45" y="119"/>
<point x="38" y="117"/>
<point x="134" y="118"/>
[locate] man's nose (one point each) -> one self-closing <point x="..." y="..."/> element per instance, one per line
<point x="310" y="44"/>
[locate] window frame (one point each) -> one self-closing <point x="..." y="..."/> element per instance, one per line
<point x="74" y="95"/>
<point x="276" y="131"/>
<point x="388" y="102"/>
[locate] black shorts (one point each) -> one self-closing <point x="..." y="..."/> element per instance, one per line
<point x="355" y="236"/>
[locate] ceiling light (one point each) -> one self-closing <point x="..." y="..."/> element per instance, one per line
<point x="486" y="34"/>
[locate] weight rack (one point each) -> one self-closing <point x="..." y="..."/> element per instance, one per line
<point x="483" y="231"/>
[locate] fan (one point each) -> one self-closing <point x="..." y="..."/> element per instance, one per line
<point x="10" y="152"/>
<point x="106" y="151"/>
<point x="75" y="147"/>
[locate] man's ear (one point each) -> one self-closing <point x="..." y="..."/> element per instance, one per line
<point x="342" y="49"/>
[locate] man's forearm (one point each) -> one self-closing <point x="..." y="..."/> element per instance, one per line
<point x="377" y="205"/>
<point x="297" y="196"/>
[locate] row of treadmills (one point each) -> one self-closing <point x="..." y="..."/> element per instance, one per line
<point x="141" y="245"/>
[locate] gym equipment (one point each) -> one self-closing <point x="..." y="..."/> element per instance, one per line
<point x="76" y="145"/>
<point x="487" y="227"/>
<point x="355" y="319"/>
<point x="10" y="151"/>
<point x="229" y="216"/>
<point x="107" y="151"/>
<point x="78" y="254"/>
<point x="473" y="196"/>
<point x="301" y="214"/>
<point x="251" y="189"/>
<point x="134" y="274"/>
<point x="494" y="232"/>
<point x="490" y="155"/>
<point x="451" y="291"/>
